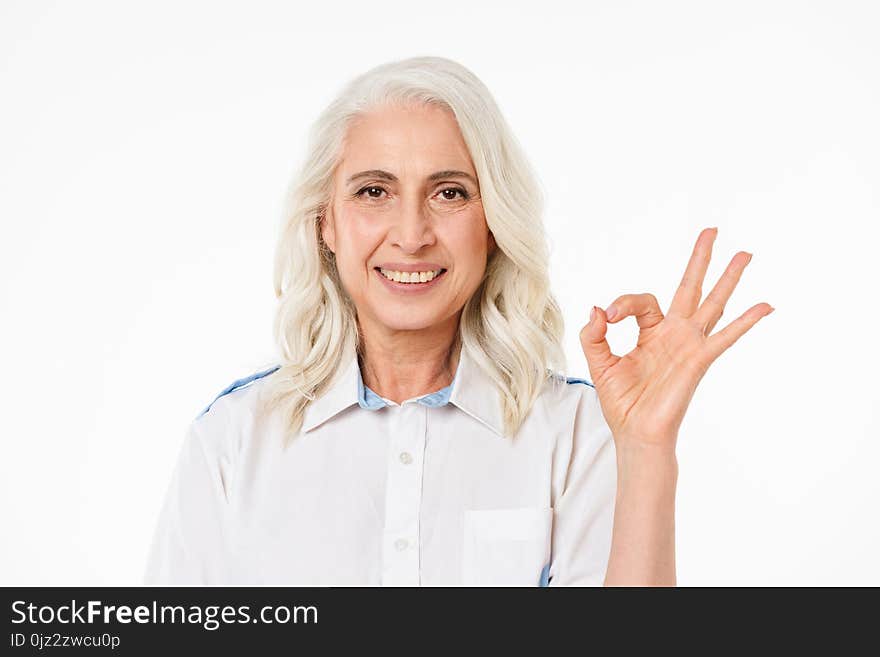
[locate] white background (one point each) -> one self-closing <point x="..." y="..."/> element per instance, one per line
<point x="145" y="149"/>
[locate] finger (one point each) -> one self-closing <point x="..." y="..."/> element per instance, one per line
<point x="713" y="306"/>
<point x="690" y="290"/>
<point x="595" y="346"/>
<point x="643" y="306"/>
<point x="717" y="344"/>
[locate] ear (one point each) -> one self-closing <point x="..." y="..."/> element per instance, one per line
<point x="492" y="244"/>
<point x="328" y="229"/>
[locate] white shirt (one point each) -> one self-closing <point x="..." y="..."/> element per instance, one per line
<point x="427" y="492"/>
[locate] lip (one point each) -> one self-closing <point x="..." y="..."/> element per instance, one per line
<point x="411" y="288"/>
<point x="410" y="267"/>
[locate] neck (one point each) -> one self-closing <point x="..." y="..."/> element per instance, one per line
<point x="400" y="365"/>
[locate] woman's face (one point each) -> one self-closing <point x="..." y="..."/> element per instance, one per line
<point x="406" y="205"/>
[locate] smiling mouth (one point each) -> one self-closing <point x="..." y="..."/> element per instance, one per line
<point x="410" y="278"/>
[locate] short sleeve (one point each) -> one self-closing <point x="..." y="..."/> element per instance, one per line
<point x="188" y="539"/>
<point x="584" y="512"/>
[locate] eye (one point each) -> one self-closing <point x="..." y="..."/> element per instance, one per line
<point x="449" y="193"/>
<point x="373" y="191"/>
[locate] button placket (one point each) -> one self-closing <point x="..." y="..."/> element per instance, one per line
<point x="403" y="493"/>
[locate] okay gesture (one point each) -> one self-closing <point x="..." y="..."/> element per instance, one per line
<point x="644" y="394"/>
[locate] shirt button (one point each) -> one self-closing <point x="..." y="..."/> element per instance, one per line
<point x="401" y="544"/>
<point x="406" y="458"/>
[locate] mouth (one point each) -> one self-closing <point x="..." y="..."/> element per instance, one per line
<point x="409" y="281"/>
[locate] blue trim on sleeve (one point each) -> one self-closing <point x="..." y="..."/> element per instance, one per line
<point x="572" y="379"/>
<point x="239" y="383"/>
<point x="545" y="576"/>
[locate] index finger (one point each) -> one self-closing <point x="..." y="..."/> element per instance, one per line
<point x="690" y="290"/>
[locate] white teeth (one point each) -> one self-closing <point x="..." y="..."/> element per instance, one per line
<point x="410" y="277"/>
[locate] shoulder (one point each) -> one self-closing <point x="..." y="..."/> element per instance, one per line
<point x="560" y="388"/>
<point x="569" y="417"/>
<point x="575" y="412"/>
<point x="582" y="392"/>
<point x="585" y="422"/>
<point x="234" y="393"/>
<point x="217" y="435"/>
<point x="214" y="440"/>
<point x="230" y="417"/>
<point x="562" y="398"/>
<point x="585" y="438"/>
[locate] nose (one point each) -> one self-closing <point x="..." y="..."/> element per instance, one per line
<point x="412" y="229"/>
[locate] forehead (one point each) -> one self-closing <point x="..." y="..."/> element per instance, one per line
<point x="405" y="136"/>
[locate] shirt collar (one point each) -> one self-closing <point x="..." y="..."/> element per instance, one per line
<point x="371" y="401"/>
<point x="471" y="390"/>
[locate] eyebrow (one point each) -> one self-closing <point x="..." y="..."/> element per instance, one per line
<point x="390" y="177"/>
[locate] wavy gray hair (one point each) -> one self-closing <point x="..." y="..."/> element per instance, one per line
<point x="512" y="325"/>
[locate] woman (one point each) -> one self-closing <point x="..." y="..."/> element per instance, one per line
<point x="416" y="430"/>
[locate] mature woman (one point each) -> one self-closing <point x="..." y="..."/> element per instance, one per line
<point x="417" y="430"/>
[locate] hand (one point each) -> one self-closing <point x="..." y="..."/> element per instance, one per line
<point x="644" y="394"/>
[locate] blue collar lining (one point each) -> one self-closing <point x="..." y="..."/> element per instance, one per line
<point x="371" y="401"/>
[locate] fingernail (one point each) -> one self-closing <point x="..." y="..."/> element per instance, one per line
<point x="611" y="313"/>
<point x="593" y="313"/>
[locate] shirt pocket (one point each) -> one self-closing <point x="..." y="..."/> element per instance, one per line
<point x="505" y="547"/>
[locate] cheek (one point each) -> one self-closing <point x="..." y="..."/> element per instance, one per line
<point x="357" y="237"/>
<point x="469" y="241"/>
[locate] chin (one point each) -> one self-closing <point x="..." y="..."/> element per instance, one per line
<point x="408" y="324"/>
<point x="407" y="317"/>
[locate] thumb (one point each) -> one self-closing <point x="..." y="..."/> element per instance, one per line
<point x="594" y="344"/>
